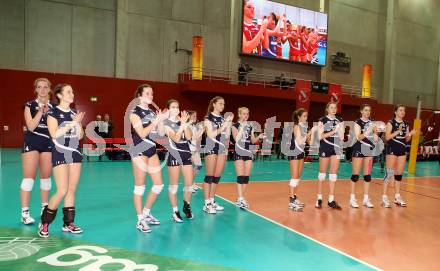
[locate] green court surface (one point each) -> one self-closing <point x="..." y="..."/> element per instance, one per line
<point x="233" y="240"/>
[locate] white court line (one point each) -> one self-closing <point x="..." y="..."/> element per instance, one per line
<point x="306" y="236"/>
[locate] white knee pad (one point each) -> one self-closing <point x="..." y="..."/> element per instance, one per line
<point x="45" y="184"/>
<point x="27" y="184"/>
<point x="294" y="182"/>
<point x="187" y="189"/>
<point x="333" y="177"/>
<point x="173" y="188"/>
<point x="156" y="189"/>
<point x="139" y="190"/>
<point x="321" y="176"/>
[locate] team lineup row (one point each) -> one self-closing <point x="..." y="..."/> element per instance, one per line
<point x="51" y="143"/>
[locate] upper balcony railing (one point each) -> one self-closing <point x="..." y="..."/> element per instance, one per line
<point x="266" y="80"/>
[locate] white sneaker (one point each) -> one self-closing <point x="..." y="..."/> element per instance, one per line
<point x="217" y="207"/>
<point x="27" y="219"/>
<point x="142" y="226"/>
<point x="353" y="203"/>
<point x="242" y="204"/>
<point x="208" y="208"/>
<point x="299" y="203"/>
<point x="151" y="220"/>
<point x="195" y="187"/>
<point x="399" y="201"/>
<point x="367" y="203"/>
<point x="177" y="217"/>
<point x="386" y="202"/>
<point x="295" y="207"/>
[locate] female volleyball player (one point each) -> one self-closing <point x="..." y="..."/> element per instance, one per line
<point x="397" y="135"/>
<point x="294" y="42"/>
<point x="272" y="34"/>
<point x="194" y="145"/>
<point x="366" y="136"/>
<point x="179" y="133"/>
<point x="36" y="149"/>
<point x="145" y="124"/>
<point x="296" y="161"/>
<point x="304" y="44"/>
<point x="243" y="135"/>
<point x="252" y="33"/>
<point x="217" y="133"/>
<point x="64" y="125"/>
<point x="331" y="133"/>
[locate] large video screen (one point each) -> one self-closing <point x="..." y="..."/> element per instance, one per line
<point x="278" y="31"/>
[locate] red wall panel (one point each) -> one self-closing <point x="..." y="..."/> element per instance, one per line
<point x="115" y="94"/>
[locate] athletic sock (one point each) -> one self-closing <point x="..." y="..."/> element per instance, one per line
<point x="146" y="212"/>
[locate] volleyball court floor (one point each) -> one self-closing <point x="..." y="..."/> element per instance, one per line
<point x="268" y="237"/>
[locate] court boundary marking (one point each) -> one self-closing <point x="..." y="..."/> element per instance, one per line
<point x="315" y="240"/>
<point x="306" y="236"/>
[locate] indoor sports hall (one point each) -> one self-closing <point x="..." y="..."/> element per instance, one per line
<point x="219" y="135"/>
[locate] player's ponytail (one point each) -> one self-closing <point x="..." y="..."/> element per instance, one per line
<point x="211" y="104"/>
<point x="297" y="114"/>
<point x="58" y="90"/>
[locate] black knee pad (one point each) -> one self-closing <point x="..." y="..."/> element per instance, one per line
<point x="398" y="177"/>
<point x="208" y="179"/>
<point x="241" y="179"/>
<point x="354" y="178"/>
<point x="69" y="215"/>
<point x="216" y="180"/>
<point x="246" y="180"/>
<point x="367" y="178"/>
<point x="48" y="215"/>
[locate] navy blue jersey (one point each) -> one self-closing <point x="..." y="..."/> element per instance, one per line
<point x="70" y="140"/>
<point x="147" y="116"/>
<point x="245" y="140"/>
<point x="271" y="51"/>
<point x="331" y="145"/>
<point x="399" y="138"/>
<point x="365" y="125"/>
<point x="294" y="144"/>
<point x="216" y="122"/>
<point x="183" y="144"/>
<point x="329" y="125"/>
<point x="41" y="129"/>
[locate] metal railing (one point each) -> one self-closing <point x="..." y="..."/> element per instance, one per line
<point x="266" y="80"/>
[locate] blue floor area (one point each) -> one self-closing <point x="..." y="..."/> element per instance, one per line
<point x="232" y="239"/>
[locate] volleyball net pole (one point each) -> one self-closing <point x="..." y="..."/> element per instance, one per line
<point x="415" y="139"/>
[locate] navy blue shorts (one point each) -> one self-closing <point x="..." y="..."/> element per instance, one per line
<point x="185" y="159"/>
<point x="296" y="157"/>
<point x="397" y="150"/>
<point x="148" y="151"/>
<point x="68" y="157"/>
<point x="328" y="152"/>
<point x="33" y="142"/>
<point x="216" y="151"/>
<point x="237" y="157"/>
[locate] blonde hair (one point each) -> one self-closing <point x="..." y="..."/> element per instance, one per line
<point x="41" y="79"/>
<point x="241" y="109"/>
<point x="328" y="105"/>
